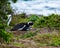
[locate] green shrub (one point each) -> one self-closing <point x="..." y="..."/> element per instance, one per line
<point x="55" y="40"/>
<point x="33" y="18"/>
<point x="40" y="22"/>
<point x="51" y="21"/>
<point x="5" y="35"/>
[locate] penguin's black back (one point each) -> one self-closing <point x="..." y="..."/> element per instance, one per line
<point x="19" y="26"/>
<point x="25" y="28"/>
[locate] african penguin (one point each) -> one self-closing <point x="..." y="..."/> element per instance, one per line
<point x="22" y="26"/>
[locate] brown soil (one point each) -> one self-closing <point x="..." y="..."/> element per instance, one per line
<point x="40" y="30"/>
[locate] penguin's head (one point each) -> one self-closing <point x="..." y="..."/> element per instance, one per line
<point x="30" y="23"/>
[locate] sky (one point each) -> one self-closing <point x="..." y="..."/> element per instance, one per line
<point x="41" y="7"/>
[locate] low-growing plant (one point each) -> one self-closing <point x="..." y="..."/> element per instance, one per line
<point x="28" y="35"/>
<point x="51" y="21"/>
<point x="33" y="18"/>
<point x="18" y="19"/>
<point x="17" y="44"/>
<point x="6" y="36"/>
<point x="47" y="39"/>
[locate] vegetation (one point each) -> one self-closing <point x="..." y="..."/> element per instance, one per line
<point x="5" y="9"/>
<point x="28" y="35"/>
<point x="18" y="44"/>
<point x="52" y="21"/>
<point x="5" y="36"/>
<point x="18" y="19"/>
<point x="46" y="39"/>
<point x="33" y="18"/>
<point x="37" y="39"/>
<point x="52" y="39"/>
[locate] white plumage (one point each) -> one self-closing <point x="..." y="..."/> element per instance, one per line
<point x="9" y="19"/>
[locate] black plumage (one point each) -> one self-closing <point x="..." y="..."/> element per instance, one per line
<point x="22" y="26"/>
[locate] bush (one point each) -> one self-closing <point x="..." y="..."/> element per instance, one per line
<point x="33" y="18"/>
<point x="51" y="21"/>
<point x="5" y="36"/>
